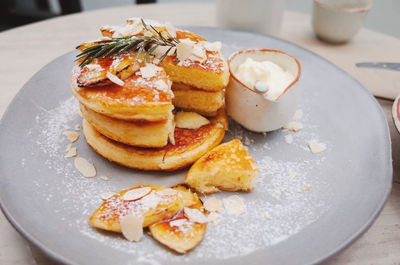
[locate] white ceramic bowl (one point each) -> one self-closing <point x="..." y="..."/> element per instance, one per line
<point x="338" y="21"/>
<point x="252" y="110"/>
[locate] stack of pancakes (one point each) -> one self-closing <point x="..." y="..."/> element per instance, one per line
<point x="131" y="120"/>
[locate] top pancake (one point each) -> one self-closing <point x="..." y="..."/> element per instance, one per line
<point x="137" y="99"/>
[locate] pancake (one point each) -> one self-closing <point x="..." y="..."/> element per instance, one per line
<point x="210" y="74"/>
<point x="139" y="99"/>
<point x="204" y="102"/>
<point x="142" y="134"/>
<point x="189" y="146"/>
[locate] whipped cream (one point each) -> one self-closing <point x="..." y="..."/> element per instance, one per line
<point x="270" y="74"/>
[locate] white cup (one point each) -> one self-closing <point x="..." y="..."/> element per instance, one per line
<point x="262" y="16"/>
<point x="338" y="21"/>
<point x="252" y="110"/>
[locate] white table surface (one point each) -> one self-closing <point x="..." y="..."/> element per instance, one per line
<point x="26" y="49"/>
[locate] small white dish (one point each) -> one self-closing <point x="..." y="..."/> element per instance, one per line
<point x="252" y="110"/>
<point x="337" y="21"/>
<point x="396" y="113"/>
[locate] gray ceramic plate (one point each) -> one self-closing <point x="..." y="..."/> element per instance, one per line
<point x="315" y="204"/>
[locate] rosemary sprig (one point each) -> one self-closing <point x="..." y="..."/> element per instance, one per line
<point x="141" y="44"/>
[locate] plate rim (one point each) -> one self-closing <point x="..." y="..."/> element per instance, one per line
<point x="356" y="234"/>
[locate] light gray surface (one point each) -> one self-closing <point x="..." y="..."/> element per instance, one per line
<point x="356" y="171"/>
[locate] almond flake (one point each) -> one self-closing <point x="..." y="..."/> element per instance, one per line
<point x="71" y="152"/>
<point x="71" y="136"/>
<point x="184" y="49"/>
<point x="77" y="127"/>
<point x="292" y="174"/>
<point x="149" y="70"/>
<point x="104" y="177"/>
<point x="132" y="227"/>
<point x="234" y="205"/>
<point x="213" y="218"/>
<point x="289" y="139"/>
<point x="115" y="79"/>
<point x="298" y="115"/>
<point x="293" y="126"/>
<point x="316" y="147"/>
<point x="170" y="28"/>
<point x="211" y="46"/>
<point x="166" y="192"/>
<point x="195" y="215"/>
<point x="179" y="222"/>
<point x="107" y="195"/>
<point x="199" y="51"/>
<point x="266" y="216"/>
<point x="150" y="201"/>
<point x="190" y="120"/>
<point x="161" y="85"/>
<point x="136" y="194"/>
<point x="161" y="50"/>
<point x="86" y="168"/>
<point x="127" y="30"/>
<point x="213" y="204"/>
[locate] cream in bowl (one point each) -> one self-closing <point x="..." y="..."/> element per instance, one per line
<point x="262" y="91"/>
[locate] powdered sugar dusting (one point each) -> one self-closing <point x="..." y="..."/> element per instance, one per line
<point x="290" y="206"/>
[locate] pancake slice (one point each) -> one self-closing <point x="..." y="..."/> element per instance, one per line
<point x="141" y="134"/>
<point x="204" y="102"/>
<point x="189" y="146"/>
<point x="155" y="205"/>
<point x="226" y="167"/>
<point x="179" y="233"/>
<point x="141" y="98"/>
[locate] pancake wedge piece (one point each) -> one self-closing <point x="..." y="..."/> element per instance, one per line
<point x="140" y="98"/>
<point x="179" y="233"/>
<point x="190" y="144"/>
<point x="227" y="167"/>
<point x="153" y="203"/>
<point x="204" y="102"/>
<point x="140" y="133"/>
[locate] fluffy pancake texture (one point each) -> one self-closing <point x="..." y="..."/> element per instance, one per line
<point x="137" y="99"/>
<point x="189" y="146"/>
<point x="226" y="167"/>
<point x="139" y="133"/>
<point x="204" y="102"/>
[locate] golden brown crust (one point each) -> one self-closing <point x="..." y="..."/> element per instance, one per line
<point x="137" y="99"/>
<point x="141" y="134"/>
<point x="190" y="145"/>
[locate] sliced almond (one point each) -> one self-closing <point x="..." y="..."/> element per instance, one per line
<point x="71" y="136"/>
<point x="115" y="79"/>
<point x="213" y="218"/>
<point x="234" y="205"/>
<point x="293" y="126"/>
<point x="298" y="115"/>
<point x="132" y="226"/>
<point x="136" y="194"/>
<point x="195" y="215"/>
<point x="86" y="168"/>
<point x="179" y="222"/>
<point x="289" y="139"/>
<point x="212" y="46"/>
<point x="151" y="201"/>
<point x="149" y="70"/>
<point x="104" y="177"/>
<point x="166" y="192"/>
<point x="77" y="127"/>
<point x="107" y="195"/>
<point x="190" y="120"/>
<point x="316" y="147"/>
<point x="71" y="152"/>
<point x="161" y="85"/>
<point x="213" y="204"/>
<point x="184" y="49"/>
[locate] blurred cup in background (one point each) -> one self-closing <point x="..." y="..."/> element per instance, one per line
<point x="262" y="16"/>
<point x="338" y="21"/>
